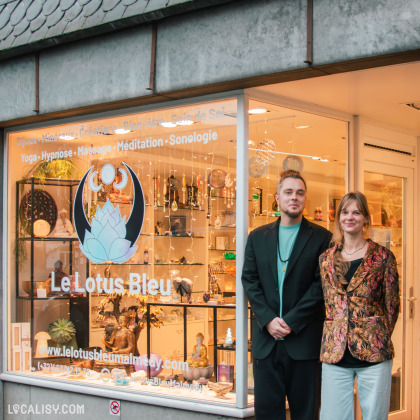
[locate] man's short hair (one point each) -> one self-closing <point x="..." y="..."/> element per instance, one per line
<point x="290" y="174"/>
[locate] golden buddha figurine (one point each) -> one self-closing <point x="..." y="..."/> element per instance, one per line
<point x="122" y="340"/>
<point x="199" y="356"/>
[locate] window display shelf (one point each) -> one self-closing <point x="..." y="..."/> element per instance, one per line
<point x="44" y="200"/>
<point x="221" y="196"/>
<point x="186" y="265"/>
<point x="188" y="321"/>
<point x="119" y="264"/>
<point x="233" y="348"/>
<point x="46" y="239"/>
<point x="174" y="236"/>
<point x="226" y="272"/>
<point x="50" y="181"/>
<point x="222" y="227"/>
<point x="51" y="298"/>
<point x="180" y="209"/>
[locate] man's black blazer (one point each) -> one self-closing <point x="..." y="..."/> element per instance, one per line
<point x="303" y="303"/>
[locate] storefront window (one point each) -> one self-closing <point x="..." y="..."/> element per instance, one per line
<point x="121" y="252"/>
<point x="280" y="139"/>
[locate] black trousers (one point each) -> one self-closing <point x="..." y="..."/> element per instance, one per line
<point x="278" y="376"/>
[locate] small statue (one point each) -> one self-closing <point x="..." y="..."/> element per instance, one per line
<point x="183" y="286"/>
<point x="63" y="226"/>
<point x="176" y="228"/>
<point x="199" y="356"/>
<point x="58" y="275"/>
<point x="228" y="341"/>
<point x="117" y="196"/>
<point x="122" y="338"/>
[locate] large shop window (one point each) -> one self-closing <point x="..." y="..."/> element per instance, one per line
<point x="281" y="138"/>
<point x="121" y="252"/>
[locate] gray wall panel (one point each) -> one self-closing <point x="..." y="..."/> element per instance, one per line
<point x="347" y="30"/>
<point x="231" y="42"/>
<point x="102" y="69"/>
<point x="17" y="88"/>
<point x="95" y="408"/>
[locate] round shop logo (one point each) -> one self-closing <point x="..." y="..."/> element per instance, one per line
<point x="109" y="238"/>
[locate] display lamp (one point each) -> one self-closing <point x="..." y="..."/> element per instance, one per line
<point x="42" y="343"/>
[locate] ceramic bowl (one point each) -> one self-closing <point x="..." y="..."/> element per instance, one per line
<point x="194" y="373"/>
<point x="26" y="284"/>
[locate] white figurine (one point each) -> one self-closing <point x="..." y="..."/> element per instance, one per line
<point x="63" y="226"/>
<point x="229" y="341"/>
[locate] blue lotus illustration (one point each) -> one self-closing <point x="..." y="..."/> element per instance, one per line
<point x="106" y="240"/>
<point x="109" y="237"/>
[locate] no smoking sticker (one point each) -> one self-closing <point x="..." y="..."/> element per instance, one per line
<point x="114" y="408"/>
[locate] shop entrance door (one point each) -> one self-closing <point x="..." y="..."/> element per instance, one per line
<point x="389" y="191"/>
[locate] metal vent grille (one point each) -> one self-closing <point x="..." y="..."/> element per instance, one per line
<point x="402" y="152"/>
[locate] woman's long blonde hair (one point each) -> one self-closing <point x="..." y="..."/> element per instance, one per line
<point x="341" y="266"/>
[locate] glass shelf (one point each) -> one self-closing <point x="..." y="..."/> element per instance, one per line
<point x="169" y="236"/>
<point x="179" y="209"/>
<point x="38" y="238"/>
<point x="185" y="265"/>
<point x="220" y="196"/>
<point x="50" y="181"/>
<point x="222" y="227"/>
<point x="82" y="298"/>
<point x="111" y="263"/>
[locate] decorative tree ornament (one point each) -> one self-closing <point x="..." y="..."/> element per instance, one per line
<point x="256" y="170"/>
<point x="228" y="181"/>
<point x="265" y="152"/>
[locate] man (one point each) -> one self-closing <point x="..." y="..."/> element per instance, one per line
<point x="282" y="282"/>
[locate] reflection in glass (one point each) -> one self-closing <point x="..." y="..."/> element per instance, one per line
<point x="282" y="139"/>
<point x="385" y="197"/>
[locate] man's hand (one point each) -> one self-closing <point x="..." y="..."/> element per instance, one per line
<point x="278" y="328"/>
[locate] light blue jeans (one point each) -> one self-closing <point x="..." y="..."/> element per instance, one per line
<point x="373" y="386"/>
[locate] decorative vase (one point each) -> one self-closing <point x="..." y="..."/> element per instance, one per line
<point x="154" y="361"/>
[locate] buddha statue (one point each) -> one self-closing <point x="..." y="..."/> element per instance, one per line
<point x="58" y="275"/>
<point x="63" y="227"/>
<point x="122" y="339"/>
<point x="199" y="356"/>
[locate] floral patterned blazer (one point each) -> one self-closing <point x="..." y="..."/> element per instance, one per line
<point x="365" y="314"/>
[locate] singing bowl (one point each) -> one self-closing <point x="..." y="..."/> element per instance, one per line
<point x="220" y="388"/>
<point x="26" y="284"/>
<point x="194" y="373"/>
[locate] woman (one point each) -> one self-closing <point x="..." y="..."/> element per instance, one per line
<point x="360" y="284"/>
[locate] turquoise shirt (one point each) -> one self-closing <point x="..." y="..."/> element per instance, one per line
<point x="287" y="239"/>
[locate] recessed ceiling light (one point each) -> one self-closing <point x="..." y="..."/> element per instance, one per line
<point x="251" y="142"/>
<point x="300" y="127"/>
<point x="66" y="137"/>
<point x="121" y="131"/>
<point x="185" y="122"/>
<point x="257" y="111"/>
<point x="168" y="124"/>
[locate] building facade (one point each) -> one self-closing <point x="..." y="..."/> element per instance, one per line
<point x="142" y="141"/>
